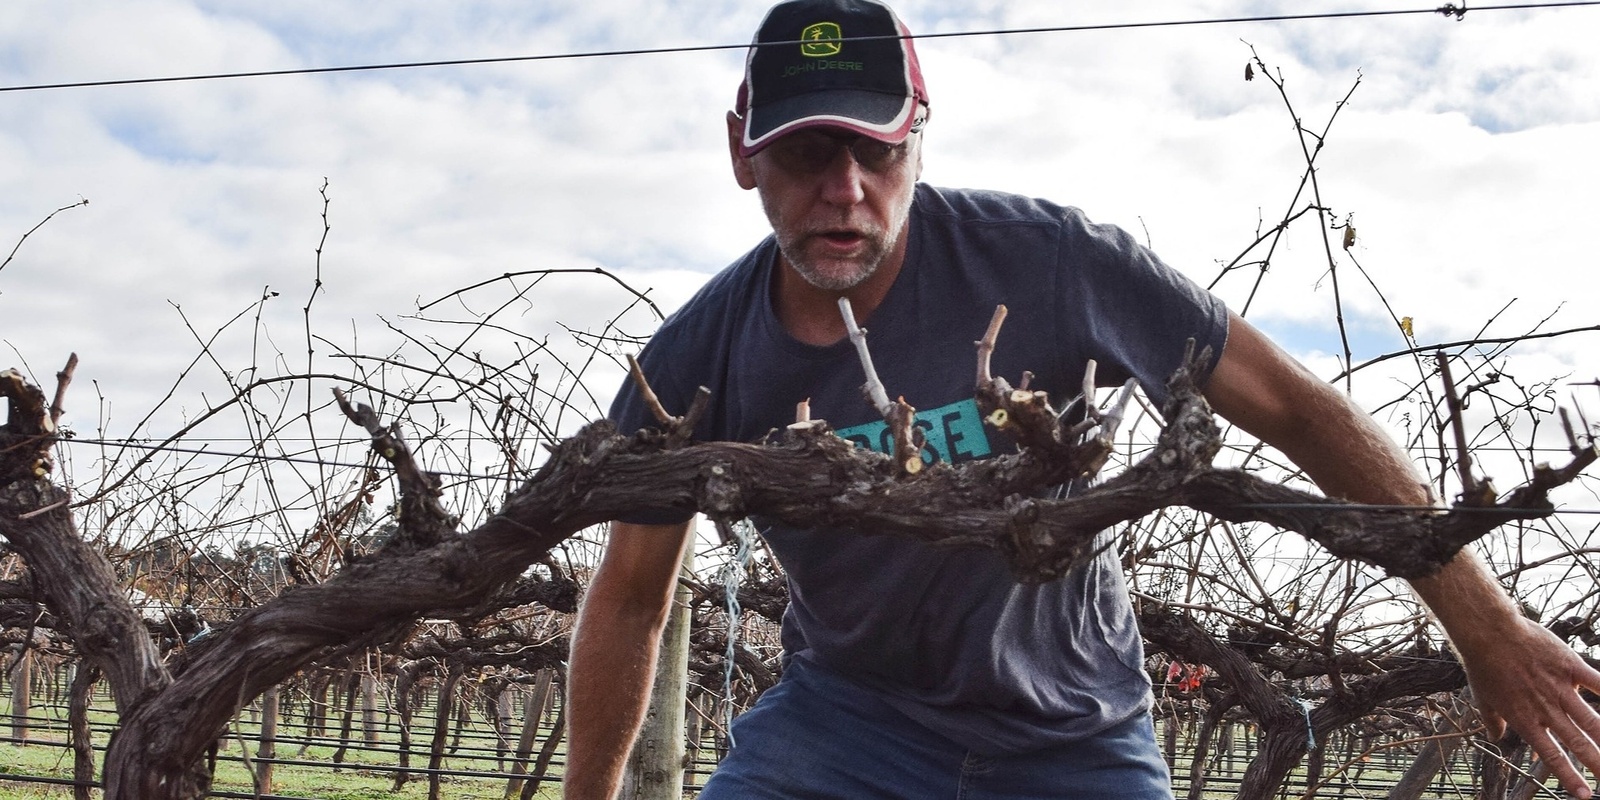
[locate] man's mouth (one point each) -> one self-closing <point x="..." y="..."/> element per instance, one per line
<point x="841" y="238"/>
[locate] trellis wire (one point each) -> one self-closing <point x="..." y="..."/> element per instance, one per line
<point x="733" y="574"/>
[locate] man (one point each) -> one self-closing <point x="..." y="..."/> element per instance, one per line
<point x="919" y="672"/>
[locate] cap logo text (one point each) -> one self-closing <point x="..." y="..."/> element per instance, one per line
<point x="821" y="40"/>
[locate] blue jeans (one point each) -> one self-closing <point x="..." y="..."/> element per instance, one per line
<point x="819" y="735"/>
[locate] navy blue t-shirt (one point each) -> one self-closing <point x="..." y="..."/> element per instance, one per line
<point x="947" y="634"/>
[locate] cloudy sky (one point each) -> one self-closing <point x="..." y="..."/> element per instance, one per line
<point x="1465" y="158"/>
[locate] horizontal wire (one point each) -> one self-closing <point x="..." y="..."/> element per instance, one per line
<point x="1448" y="9"/>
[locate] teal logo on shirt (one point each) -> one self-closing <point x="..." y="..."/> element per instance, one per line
<point x="954" y="433"/>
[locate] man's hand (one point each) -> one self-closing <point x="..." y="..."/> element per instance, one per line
<point x="1522" y="676"/>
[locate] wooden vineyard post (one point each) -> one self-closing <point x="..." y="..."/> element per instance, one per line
<point x="532" y="714"/>
<point x="691" y="742"/>
<point x="21" y="694"/>
<point x="655" y="767"/>
<point x="267" y="749"/>
<point x="547" y="751"/>
<point x="369" y="706"/>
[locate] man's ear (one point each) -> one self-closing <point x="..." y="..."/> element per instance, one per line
<point x="743" y="171"/>
<point x="922" y="138"/>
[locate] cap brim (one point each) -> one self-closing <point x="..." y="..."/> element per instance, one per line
<point x="876" y="115"/>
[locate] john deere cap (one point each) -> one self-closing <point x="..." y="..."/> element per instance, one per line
<point x="836" y="63"/>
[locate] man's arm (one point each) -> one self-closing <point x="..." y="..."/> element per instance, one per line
<point x="613" y="657"/>
<point x="1521" y="674"/>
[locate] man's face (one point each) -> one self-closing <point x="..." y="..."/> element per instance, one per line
<point x="838" y="202"/>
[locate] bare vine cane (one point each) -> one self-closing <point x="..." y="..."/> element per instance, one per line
<point x="679" y="430"/>
<point x="898" y="414"/>
<point x="1048" y="433"/>
<point x="31" y="425"/>
<point x="1473" y="491"/>
<point x="1028" y="415"/>
<point x="424" y="522"/>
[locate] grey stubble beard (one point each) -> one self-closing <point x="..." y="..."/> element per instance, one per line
<point x="880" y="244"/>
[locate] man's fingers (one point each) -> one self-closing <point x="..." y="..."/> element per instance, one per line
<point x="1562" y="767"/>
<point x="1573" y="727"/>
<point x="1578" y="731"/>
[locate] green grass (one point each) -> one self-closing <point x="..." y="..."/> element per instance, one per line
<point x="350" y="783"/>
<point x="47" y="755"/>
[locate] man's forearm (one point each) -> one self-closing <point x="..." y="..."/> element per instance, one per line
<point x="611" y="668"/>
<point x="612" y="665"/>
<point x="1468" y="603"/>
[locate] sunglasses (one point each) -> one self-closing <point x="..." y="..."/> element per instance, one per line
<point x="811" y="152"/>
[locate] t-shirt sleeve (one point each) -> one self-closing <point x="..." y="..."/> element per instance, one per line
<point x="1138" y="313"/>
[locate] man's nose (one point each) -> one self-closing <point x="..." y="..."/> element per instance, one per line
<point x="843" y="180"/>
